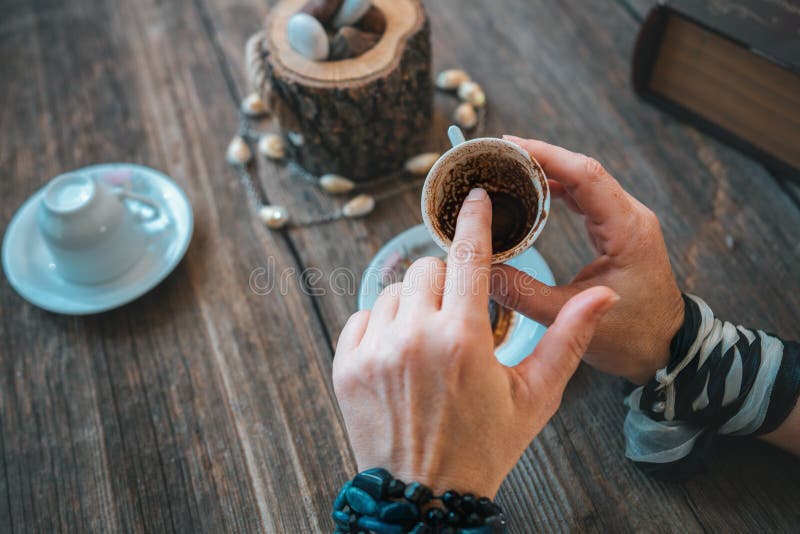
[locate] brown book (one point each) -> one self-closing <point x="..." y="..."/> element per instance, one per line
<point x="730" y="67"/>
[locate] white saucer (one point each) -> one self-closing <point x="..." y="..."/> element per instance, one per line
<point x="30" y="269"/>
<point x="391" y="262"/>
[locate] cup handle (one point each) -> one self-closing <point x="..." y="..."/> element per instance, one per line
<point x="456" y="135"/>
<point x="149" y="202"/>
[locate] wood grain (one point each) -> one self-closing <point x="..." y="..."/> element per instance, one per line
<point x="192" y="409"/>
<point x="206" y="407"/>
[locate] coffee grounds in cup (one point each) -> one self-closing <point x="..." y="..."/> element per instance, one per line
<point x="501" y="319"/>
<point x="514" y="198"/>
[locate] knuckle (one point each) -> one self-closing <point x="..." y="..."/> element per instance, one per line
<point x="649" y="226"/>
<point x="428" y="262"/>
<point x="594" y="169"/>
<point x="472" y="209"/>
<point x="553" y="402"/>
<point x="512" y="300"/>
<point x="576" y="346"/>
<point x="406" y="342"/>
<point x="424" y="268"/>
<point x="650" y="217"/>
<point x="391" y="291"/>
<point x="467" y="250"/>
<point x="455" y="349"/>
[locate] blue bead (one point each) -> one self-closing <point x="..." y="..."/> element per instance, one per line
<point x="497" y="523"/>
<point x="451" y="499"/>
<point x="395" y="488"/>
<point x="341" y="518"/>
<point x="483" y="529"/>
<point x="416" y="492"/>
<point x="341" y="499"/>
<point x="360" y="501"/>
<point x="453" y="517"/>
<point x="379" y="527"/>
<point x="421" y="528"/>
<point x="398" y="512"/>
<point x="373" y="481"/>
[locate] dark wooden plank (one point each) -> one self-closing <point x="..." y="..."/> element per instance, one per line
<point x="638" y="8"/>
<point x="559" y="71"/>
<point x="203" y="406"/>
<point x="196" y="407"/>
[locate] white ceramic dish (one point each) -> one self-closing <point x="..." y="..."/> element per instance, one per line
<point x="390" y="263"/>
<point x="29" y="267"/>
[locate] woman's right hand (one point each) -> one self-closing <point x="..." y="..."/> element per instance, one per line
<point x="633" y="339"/>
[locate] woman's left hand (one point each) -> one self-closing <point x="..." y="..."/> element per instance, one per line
<point x="420" y="389"/>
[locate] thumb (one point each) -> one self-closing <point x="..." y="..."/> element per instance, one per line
<point x="523" y="293"/>
<point x="558" y="353"/>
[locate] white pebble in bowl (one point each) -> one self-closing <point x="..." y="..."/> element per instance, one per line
<point x="307" y="37"/>
<point x="351" y="12"/>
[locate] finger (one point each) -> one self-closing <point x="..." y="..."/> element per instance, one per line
<point x="423" y="286"/>
<point x="470" y="257"/>
<point x="353" y="331"/>
<point x="521" y="292"/>
<point x="385" y="308"/>
<point x="557" y="355"/>
<point x="596" y="193"/>
<point x="560" y="192"/>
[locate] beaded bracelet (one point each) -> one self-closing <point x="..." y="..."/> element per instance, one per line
<point x="375" y="501"/>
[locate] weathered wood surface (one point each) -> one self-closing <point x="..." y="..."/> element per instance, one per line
<point x="207" y="407"/>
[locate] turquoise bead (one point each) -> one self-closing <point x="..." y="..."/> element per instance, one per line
<point x="341" y="499"/>
<point x="373" y="481"/>
<point x="341" y="518"/>
<point x="360" y="501"/>
<point x="483" y="529"/>
<point x="379" y="527"/>
<point x="398" y="511"/>
<point x="416" y="492"/>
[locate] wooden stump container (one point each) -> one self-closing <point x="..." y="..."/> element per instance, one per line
<point x="360" y="117"/>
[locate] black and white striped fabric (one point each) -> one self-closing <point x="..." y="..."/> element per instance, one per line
<point x="721" y="379"/>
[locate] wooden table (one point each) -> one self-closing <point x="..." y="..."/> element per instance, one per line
<point x="205" y="406"/>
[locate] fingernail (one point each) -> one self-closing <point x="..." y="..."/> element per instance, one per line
<point x="509" y="137"/>
<point x="609" y="303"/>
<point x="477" y="194"/>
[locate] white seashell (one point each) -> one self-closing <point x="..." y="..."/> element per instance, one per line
<point x="274" y="216"/>
<point x="351" y="12"/>
<point x="466" y="116"/>
<point x="307" y="37"/>
<point x="359" y="206"/>
<point x="422" y="163"/>
<point x="473" y="93"/>
<point x="451" y="79"/>
<point x="335" y="184"/>
<point x="238" y="152"/>
<point x="253" y="106"/>
<point x="271" y="146"/>
<point x="296" y="138"/>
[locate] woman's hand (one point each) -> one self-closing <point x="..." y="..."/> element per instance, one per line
<point x="417" y="381"/>
<point x="632" y="340"/>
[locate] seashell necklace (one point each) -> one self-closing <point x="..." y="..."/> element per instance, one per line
<point x="470" y="115"/>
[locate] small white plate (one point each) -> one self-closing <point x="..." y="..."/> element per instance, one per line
<point x="31" y="272"/>
<point x="391" y="262"/>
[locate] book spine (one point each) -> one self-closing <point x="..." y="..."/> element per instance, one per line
<point x="645" y="54"/>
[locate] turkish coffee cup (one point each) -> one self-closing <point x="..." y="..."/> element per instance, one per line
<point x="92" y="233"/>
<point x="515" y="182"/>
